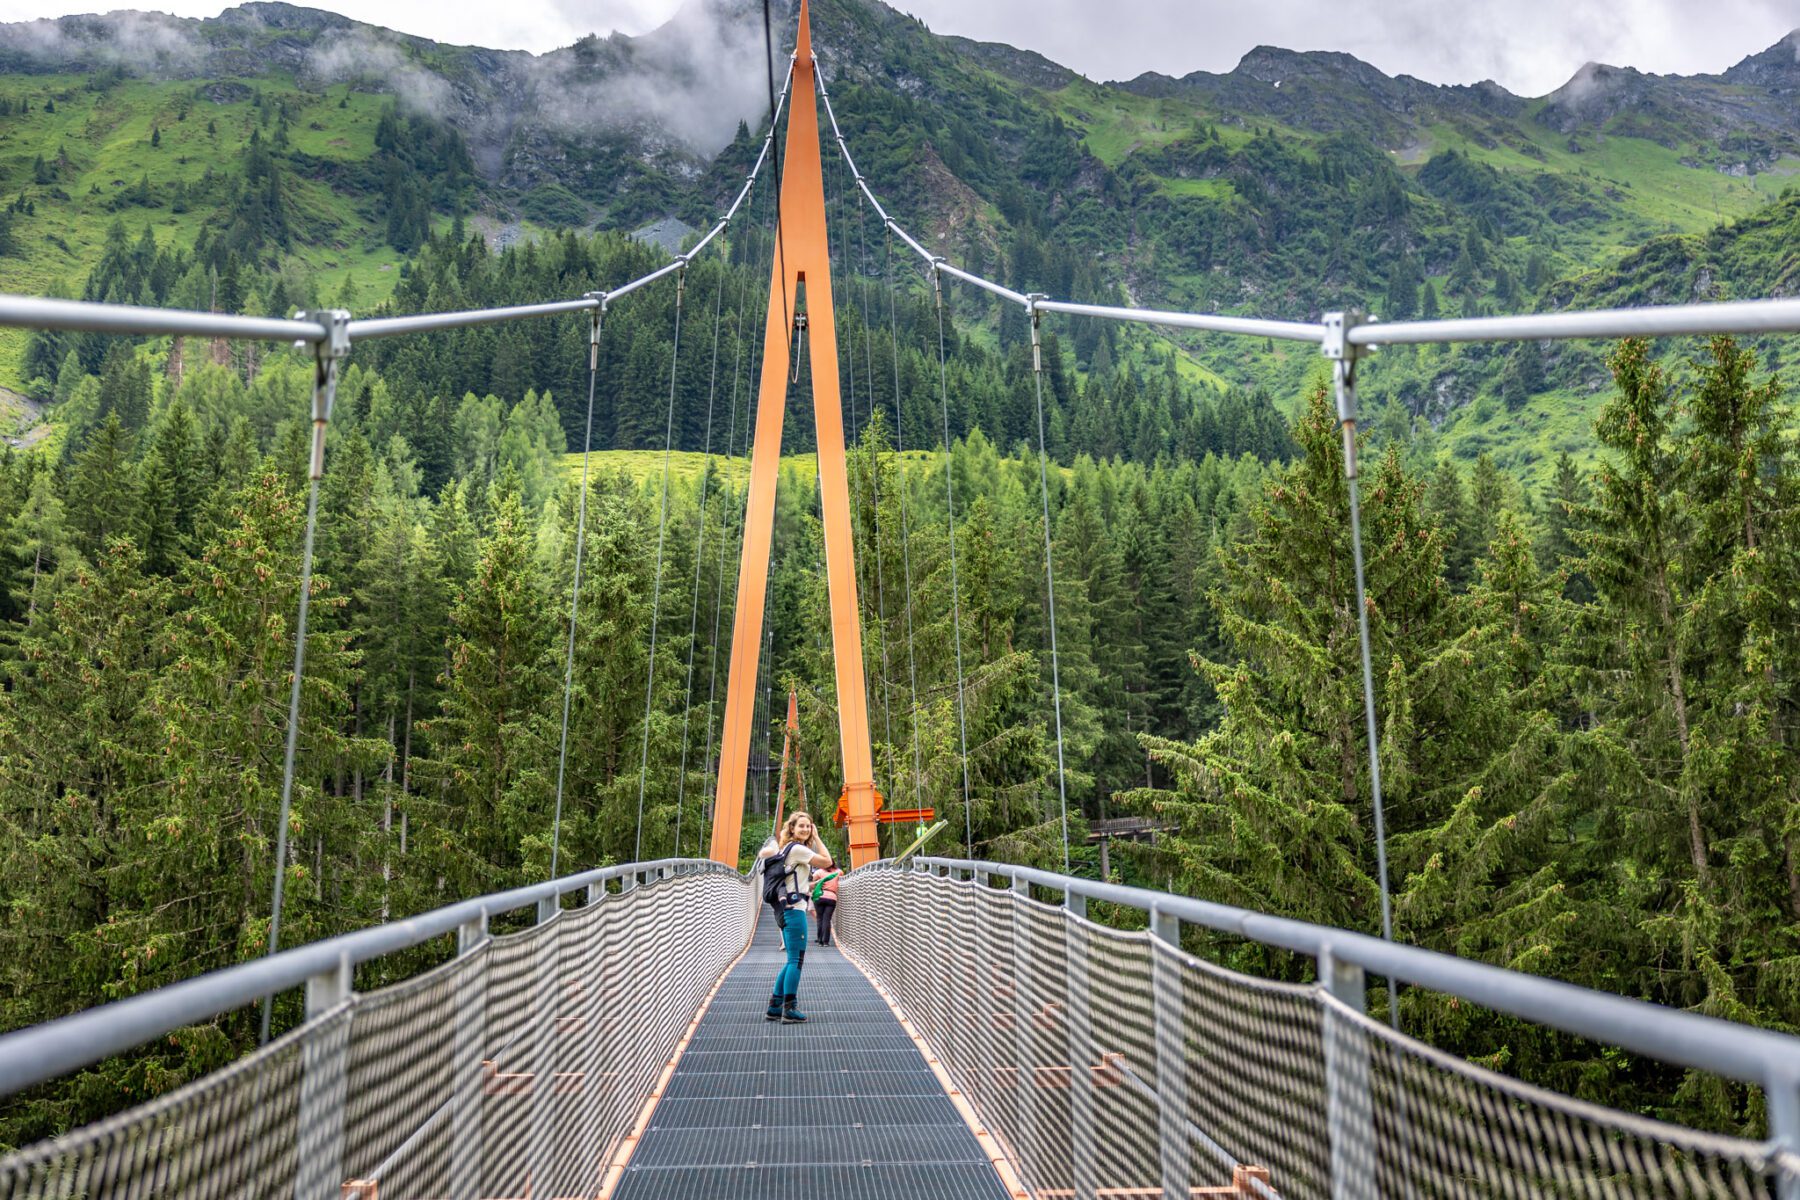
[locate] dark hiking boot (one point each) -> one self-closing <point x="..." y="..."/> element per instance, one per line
<point x="773" y="1012"/>
<point x="789" y="1014"/>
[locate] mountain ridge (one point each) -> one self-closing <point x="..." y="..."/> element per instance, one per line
<point x="1298" y="182"/>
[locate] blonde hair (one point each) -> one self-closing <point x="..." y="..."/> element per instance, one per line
<point x="787" y="831"/>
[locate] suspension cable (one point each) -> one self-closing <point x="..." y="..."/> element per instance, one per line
<point x="912" y="661"/>
<point x="1037" y="373"/>
<point x="687" y="708"/>
<point x="662" y="528"/>
<point x="712" y="687"/>
<point x="881" y="631"/>
<point x="587" y="446"/>
<point x="962" y="713"/>
<point x="787" y="312"/>
<point x="849" y="359"/>
<point x="328" y="357"/>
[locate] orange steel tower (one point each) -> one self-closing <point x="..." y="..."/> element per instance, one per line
<point x="802" y="269"/>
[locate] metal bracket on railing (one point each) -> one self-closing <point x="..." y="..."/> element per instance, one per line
<point x="1032" y="300"/>
<point x="1075" y="902"/>
<point x="1344" y="353"/>
<point x="1166" y="925"/>
<point x="328" y="989"/>
<point x="472" y="933"/>
<point x="937" y="280"/>
<point x="1781" y="1093"/>
<point x="328" y="357"/>
<point x="596" y="318"/>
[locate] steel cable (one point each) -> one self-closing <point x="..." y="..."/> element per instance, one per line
<point x="1062" y="783"/>
<point x="712" y="686"/>
<point x="962" y="717"/>
<point x="687" y="708"/>
<point x="587" y="448"/>
<point x="874" y="461"/>
<point x="662" y="527"/>
<point x="293" y="735"/>
<point x="912" y="661"/>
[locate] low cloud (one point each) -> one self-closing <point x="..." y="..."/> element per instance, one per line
<point x="366" y="56"/>
<point x="695" y="78"/>
<point x="152" y="44"/>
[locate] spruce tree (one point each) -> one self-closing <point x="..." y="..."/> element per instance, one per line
<point x="103" y="503"/>
<point x="84" y="844"/>
<point x="492" y="747"/>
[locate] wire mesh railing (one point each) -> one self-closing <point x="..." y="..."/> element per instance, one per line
<point x="1113" y="1063"/>
<point x="520" y="1067"/>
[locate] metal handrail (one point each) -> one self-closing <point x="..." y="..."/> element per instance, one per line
<point x="86" y="316"/>
<point x="1742" y="1052"/>
<point x="43" y="1052"/>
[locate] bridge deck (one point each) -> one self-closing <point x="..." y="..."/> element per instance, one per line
<point x="842" y="1107"/>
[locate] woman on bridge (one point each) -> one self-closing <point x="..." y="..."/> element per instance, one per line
<point x="800" y="853"/>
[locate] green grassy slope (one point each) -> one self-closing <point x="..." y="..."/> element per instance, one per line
<point x="97" y="146"/>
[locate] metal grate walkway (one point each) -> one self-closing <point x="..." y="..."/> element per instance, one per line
<point x="842" y="1106"/>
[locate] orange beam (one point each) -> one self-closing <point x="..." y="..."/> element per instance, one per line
<point x="803" y="256"/>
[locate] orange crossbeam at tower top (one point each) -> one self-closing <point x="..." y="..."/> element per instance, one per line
<point x="802" y="270"/>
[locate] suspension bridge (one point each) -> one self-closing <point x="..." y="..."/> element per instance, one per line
<point x="978" y="1034"/>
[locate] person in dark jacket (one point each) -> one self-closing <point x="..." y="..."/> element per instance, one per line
<point x="825" y="903"/>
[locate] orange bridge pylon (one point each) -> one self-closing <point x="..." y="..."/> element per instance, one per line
<point x="802" y="271"/>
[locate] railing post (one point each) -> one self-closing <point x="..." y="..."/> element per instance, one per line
<point x="320" y="1141"/>
<point x="542" y="1048"/>
<point x="1167" y="1005"/>
<point x="1081" y="1057"/>
<point x="467" y="1084"/>
<point x="1782" y="1095"/>
<point x="1024" y="1043"/>
<point x="1349" y="1115"/>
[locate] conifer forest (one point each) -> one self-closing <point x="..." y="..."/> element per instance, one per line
<point x="1587" y="663"/>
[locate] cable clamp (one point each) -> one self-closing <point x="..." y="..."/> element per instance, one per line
<point x="336" y="323"/>
<point x="1032" y="300"/>
<point x="1344" y="354"/>
<point x="1337" y="345"/>
<point x="595" y="317"/>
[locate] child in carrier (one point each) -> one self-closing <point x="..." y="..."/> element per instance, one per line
<point x="788" y="862"/>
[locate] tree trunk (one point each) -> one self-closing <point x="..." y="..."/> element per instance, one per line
<point x="387" y="822"/>
<point x="1678" y="696"/>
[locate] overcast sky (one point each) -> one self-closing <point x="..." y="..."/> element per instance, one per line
<point x="1530" y="46"/>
